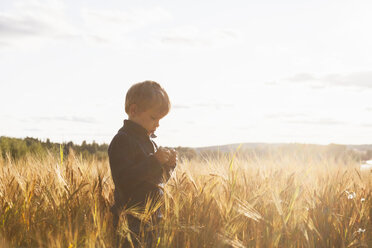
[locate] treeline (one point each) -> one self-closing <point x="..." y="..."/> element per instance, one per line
<point x="17" y="148"/>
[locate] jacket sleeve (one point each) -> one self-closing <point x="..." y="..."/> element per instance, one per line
<point x="130" y="166"/>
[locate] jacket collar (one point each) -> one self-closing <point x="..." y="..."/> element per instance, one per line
<point x="135" y="128"/>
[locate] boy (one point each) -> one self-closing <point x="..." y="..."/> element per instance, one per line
<point x="137" y="164"/>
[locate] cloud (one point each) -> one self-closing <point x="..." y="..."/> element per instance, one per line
<point x="284" y="115"/>
<point x="327" y="122"/>
<point x="302" y="77"/>
<point x="180" y="106"/>
<point x="32" y="22"/>
<point x="113" y="25"/>
<point x="32" y="130"/>
<point x="36" y="22"/>
<point x="356" y="79"/>
<point x="193" y="36"/>
<point x="66" y="118"/>
<point x="11" y="26"/>
<point x="360" y="79"/>
<point x="270" y="83"/>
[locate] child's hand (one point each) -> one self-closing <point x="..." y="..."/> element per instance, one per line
<point x="173" y="158"/>
<point x="162" y="155"/>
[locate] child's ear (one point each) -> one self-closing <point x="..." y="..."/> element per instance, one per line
<point x="133" y="109"/>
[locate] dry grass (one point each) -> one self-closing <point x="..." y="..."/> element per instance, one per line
<point x="278" y="201"/>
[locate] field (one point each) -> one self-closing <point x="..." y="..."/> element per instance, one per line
<point x="280" y="200"/>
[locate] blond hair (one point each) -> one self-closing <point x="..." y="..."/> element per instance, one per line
<point x="146" y="95"/>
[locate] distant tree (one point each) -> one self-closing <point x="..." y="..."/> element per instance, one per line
<point x="18" y="148"/>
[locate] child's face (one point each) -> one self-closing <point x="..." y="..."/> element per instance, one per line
<point x="148" y="119"/>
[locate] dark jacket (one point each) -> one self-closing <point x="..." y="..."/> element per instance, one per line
<point x="135" y="170"/>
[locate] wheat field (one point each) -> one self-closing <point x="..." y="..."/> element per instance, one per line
<point x="281" y="200"/>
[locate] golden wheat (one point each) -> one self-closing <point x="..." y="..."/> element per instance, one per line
<point x="280" y="200"/>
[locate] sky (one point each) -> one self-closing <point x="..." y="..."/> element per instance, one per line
<point x="235" y="71"/>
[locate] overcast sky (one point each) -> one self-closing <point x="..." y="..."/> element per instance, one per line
<point x="235" y="71"/>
